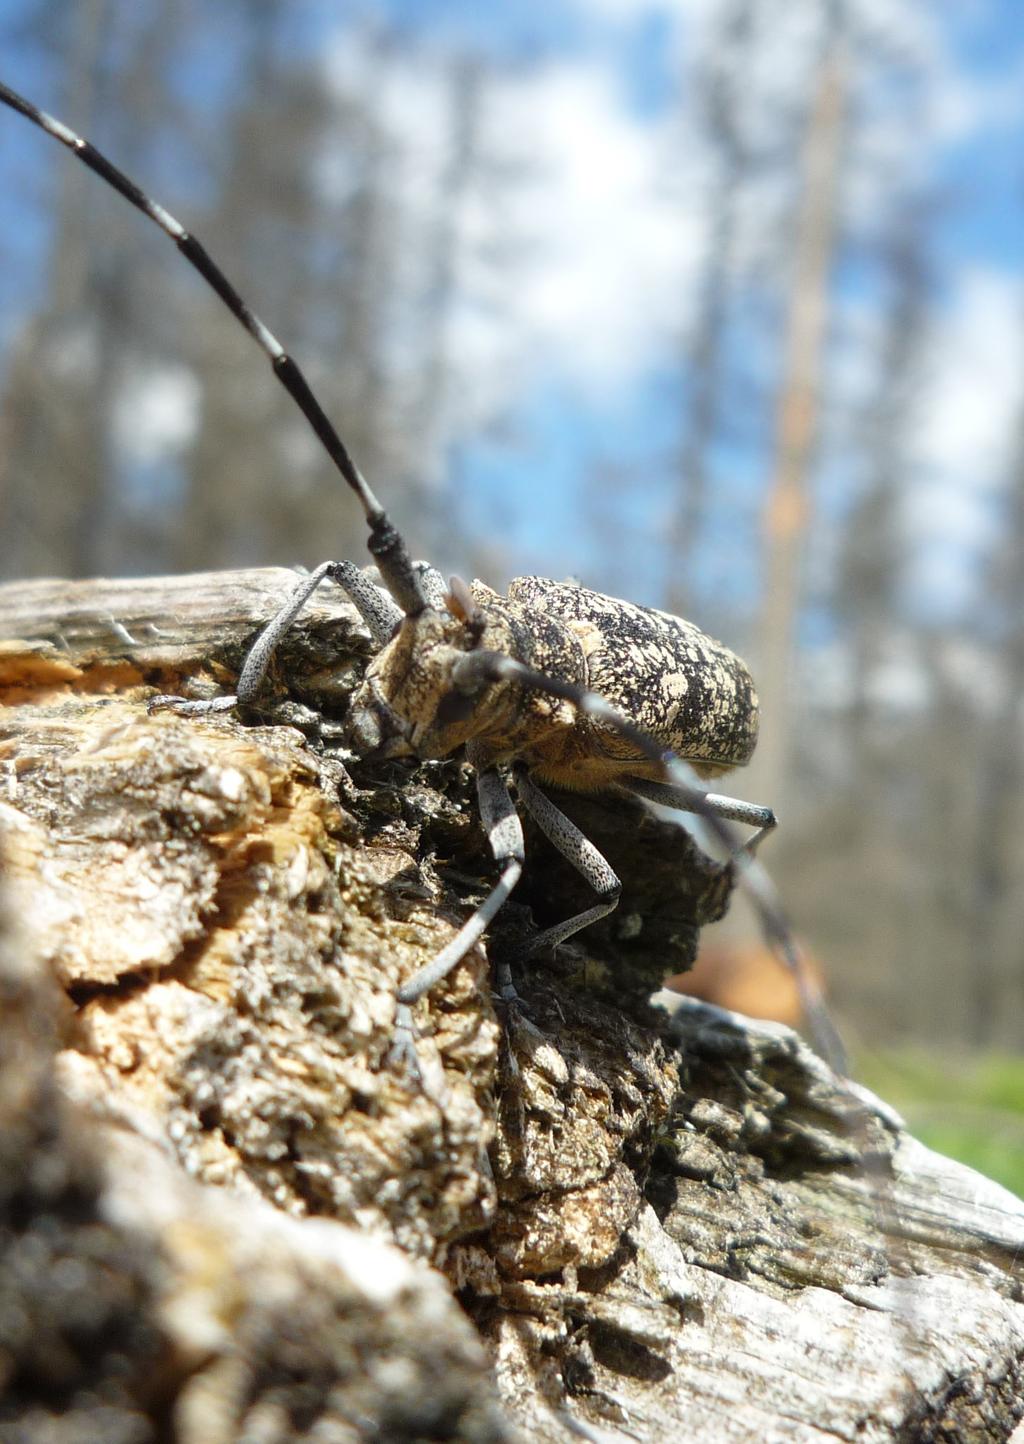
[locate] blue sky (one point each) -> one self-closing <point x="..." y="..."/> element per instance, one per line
<point x="581" y="371"/>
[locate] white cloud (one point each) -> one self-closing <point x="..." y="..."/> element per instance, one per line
<point x="606" y="211"/>
<point x="966" y="105"/>
<point x="898" y="683"/>
<point x="614" y="250"/>
<point x="976" y="391"/>
<point x="602" y="251"/>
<point x="960" y="450"/>
<point x="156" y="413"/>
<point x="961" y="429"/>
<point x="630" y="12"/>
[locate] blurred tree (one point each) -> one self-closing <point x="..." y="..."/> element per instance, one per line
<point x="996" y="1012"/>
<point x="720" y="90"/>
<point x="875" y="839"/>
<point x="255" y="485"/>
<point x="160" y="439"/>
<point x="787" y="505"/>
<point x="58" y="477"/>
<point x="431" y="422"/>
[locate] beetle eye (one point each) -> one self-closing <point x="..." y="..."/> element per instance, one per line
<point x="454" y="707"/>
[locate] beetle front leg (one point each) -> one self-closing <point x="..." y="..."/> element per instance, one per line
<point x="576" y="848"/>
<point x="376" y="608"/>
<point x="505" y="838"/>
<point x="373" y="604"/>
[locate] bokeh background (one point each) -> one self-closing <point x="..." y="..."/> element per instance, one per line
<point x="714" y="304"/>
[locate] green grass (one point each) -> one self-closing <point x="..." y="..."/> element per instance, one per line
<point x="971" y="1108"/>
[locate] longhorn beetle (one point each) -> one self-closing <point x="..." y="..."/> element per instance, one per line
<point x="553" y="683"/>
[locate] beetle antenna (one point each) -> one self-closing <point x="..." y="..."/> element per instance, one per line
<point x="385" y="542"/>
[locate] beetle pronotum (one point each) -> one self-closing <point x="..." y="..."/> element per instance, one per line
<point x="553" y="683"/>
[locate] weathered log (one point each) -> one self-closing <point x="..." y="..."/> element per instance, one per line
<point x="664" y="1223"/>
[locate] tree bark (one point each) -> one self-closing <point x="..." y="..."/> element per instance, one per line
<point x="228" y="1215"/>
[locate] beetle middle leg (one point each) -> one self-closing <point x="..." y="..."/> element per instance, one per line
<point x="505" y="838"/>
<point x="576" y="848"/>
<point x="380" y="613"/>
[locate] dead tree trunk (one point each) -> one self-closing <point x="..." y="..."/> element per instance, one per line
<point x="787" y="507"/>
<point x="227" y="1215"/>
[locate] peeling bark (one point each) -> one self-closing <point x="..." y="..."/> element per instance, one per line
<point x="663" y="1222"/>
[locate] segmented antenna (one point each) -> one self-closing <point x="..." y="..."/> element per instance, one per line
<point x="385" y="542"/>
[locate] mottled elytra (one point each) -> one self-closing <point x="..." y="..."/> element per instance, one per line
<point x="551" y="684"/>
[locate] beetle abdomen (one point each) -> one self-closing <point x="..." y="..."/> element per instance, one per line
<point x="661" y="672"/>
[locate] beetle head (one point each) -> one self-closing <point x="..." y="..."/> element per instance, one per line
<point x="415" y="700"/>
